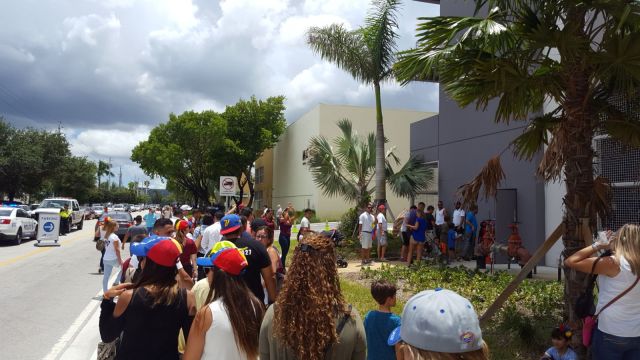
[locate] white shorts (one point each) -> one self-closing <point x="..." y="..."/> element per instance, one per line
<point x="366" y="240"/>
<point x="382" y="240"/>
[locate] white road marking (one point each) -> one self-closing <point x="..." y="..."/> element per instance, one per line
<point x="76" y="327"/>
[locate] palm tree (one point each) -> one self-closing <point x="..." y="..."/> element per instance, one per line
<point x="579" y="56"/>
<point x="104" y="169"/>
<point x="348" y="167"/>
<point x="368" y="54"/>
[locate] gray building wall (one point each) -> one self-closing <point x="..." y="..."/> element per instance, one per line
<point x="462" y="140"/>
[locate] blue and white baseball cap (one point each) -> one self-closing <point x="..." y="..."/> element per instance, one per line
<point x="439" y="320"/>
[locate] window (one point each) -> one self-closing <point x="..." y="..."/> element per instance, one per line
<point x="257" y="200"/>
<point x="260" y="175"/>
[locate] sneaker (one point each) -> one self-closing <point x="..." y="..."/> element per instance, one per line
<point x="100" y="271"/>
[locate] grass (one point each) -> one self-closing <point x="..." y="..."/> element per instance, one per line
<point x="360" y="297"/>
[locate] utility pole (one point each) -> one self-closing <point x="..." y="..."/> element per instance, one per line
<point x="120" y="178"/>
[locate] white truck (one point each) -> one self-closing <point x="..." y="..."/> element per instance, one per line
<point x="77" y="216"/>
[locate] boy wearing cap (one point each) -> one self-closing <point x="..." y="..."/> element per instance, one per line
<point x="231" y="228"/>
<point x="378" y="324"/>
<point x="381" y="232"/>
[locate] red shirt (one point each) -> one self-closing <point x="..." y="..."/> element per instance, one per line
<point x="189" y="248"/>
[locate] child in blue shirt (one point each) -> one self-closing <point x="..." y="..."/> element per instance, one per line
<point x="560" y="338"/>
<point x="378" y="324"/>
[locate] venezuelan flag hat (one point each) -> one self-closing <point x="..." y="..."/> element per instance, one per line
<point x="163" y="251"/>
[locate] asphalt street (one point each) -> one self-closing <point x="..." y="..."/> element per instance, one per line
<point x="44" y="291"/>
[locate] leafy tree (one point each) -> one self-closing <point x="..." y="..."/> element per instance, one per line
<point x="576" y="55"/>
<point x="347" y="168"/>
<point x="188" y="150"/>
<point x="253" y="126"/>
<point x="103" y="169"/>
<point x="368" y="55"/>
<point x="28" y="157"/>
<point x="76" y="178"/>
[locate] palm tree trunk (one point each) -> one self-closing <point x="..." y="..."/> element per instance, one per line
<point x="578" y="173"/>
<point x="381" y="190"/>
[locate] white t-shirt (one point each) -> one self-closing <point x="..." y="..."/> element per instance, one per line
<point x="210" y="236"/>
<point x="382" y="221"/>
<point x="109" y="247"/>
<point x="304" y="223"/>
<point x="622" y="318"/>
<point x="458" y="216"/>
<point x="366" y="220"/>
<point x="440" y="216"/>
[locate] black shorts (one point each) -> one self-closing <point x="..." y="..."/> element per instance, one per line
<point x="406" y="236"/>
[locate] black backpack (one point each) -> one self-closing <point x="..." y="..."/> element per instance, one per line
<point x="585" y="304"/>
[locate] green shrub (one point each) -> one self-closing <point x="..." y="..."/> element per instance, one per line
<point x="349" y="223"/>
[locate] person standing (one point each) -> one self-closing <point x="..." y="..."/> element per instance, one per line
<point x="441" y="213"/>
<point x="431" y="231"/>
<point x="365" y="233"/>
<point x="269" y="220"/>
<point x="311" y="319"/>
<point x="135" y="233"/>
<point x="284" y="239"/>
<point x="150" y="219"/>
<point x="65" y="214"/>
<point x="211" y="235"/>
<point x="305" y="223"/>
<point x="381" y="232"/>
<point x="470" y="231"/>
<point x="112" y="257"/>
<point x="279" y="213"/>
<point x="418" y="229"/>
<point x="378" y="324"/>
<point x="189" y="249"/>
<point x="405" y="232"/>
<point x="229" y="325"/>
<point x="265" y="236"/>
<point x="459" y="218"/>
<point x="256" y="254"/>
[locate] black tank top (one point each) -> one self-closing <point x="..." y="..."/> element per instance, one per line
<point x="151" y="332"/>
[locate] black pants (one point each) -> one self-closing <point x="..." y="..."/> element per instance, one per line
<point x="64" y="226"/>
<point x="201" y="274"/>
<point x="285" y="243"/>
<point x="102" y="260"/>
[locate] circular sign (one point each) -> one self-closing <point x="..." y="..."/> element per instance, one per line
<point x="228" y="183"/>
<point x="48" y="226"/>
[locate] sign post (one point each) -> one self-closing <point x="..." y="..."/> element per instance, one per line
<point x="228" y="187"/>
<point x="48" y="227"/>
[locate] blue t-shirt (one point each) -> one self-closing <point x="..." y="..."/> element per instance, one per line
<point x="419" y="234"/>
<point x="149" y="219"/>
<point x="378" y="326"/>
<point x="555" y="355"/>
<point x="471" y="217"/>
<point x="451" y="238"/>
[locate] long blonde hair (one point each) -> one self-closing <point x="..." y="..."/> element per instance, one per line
<point x="408" y="352"/>
<point x="626" y="243"/>
<point x="109" y="227"/>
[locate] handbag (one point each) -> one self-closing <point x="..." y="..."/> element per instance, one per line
<point x="585" y="306"/>
<point x="590" y="323"/>
<point x="107" y="351"/>
<point x="100" y="245"/>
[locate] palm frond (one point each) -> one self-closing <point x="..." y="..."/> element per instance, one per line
<point x="535" y="136"/>
<point x="554" y="157"/>
<point x="380" y="35"/>
<point x="489" y="179"/>
<point x="327" y="170"/>
<point x="414" y="177"/>
<point x="347" y="49"/>
<point x="600" y="202"/>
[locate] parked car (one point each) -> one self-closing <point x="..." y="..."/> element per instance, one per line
<point x="77" y="216"/>
<point x="89" y="213"/>
<point x="16" y="224"/>
<point x="118" y="207"/>
<point x="32" y="208"/>
<point x="97" y="210"/>
<point x="124" y="220"/>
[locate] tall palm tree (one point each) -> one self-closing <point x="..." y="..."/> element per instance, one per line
<point x="348" y="167"/>
<point x="104" y="169"/>
<point x="368" y="54"/>
<point x="577" y="56"/>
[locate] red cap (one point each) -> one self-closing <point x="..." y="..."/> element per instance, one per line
<point x="182" y="224"/>
<point x="381" y="207"/>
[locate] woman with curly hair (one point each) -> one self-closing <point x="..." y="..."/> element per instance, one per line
<point x="310" y="319"/>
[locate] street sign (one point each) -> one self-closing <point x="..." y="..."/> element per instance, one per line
<point x="48" y="226"/>
<point x="228" y="185"/>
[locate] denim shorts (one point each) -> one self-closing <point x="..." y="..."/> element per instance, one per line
<point x="611" y="347"/>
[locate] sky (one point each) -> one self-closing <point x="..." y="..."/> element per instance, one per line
<point x="108" y="71"/>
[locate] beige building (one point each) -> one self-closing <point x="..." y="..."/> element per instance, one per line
<point x="291" y="180"/>
<point x="263" y="184"/>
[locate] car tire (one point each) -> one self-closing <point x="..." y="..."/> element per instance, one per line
<point x="80" y="224"/>
<point x="18" y="239"/>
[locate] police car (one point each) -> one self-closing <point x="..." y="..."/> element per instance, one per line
<point x="16" y="224"/>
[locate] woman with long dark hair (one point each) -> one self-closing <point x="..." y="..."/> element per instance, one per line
<point x="228" y="326"/>
<point x="284" y="239"/>
<point x="265" y="236"/>
<point x="310" y="319"/>
<point x="150" y="313"/>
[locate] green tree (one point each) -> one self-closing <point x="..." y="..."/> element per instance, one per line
<point x="188" y="150"/>
<point x="103" y="169"/>
<point x="347" y="168"/>
<point x="253" y="126"/>
<point x="368" y="55"/>
<point x="29" y="157"/>
<point x="576" y="55"/>
<point x="76" y="178"/>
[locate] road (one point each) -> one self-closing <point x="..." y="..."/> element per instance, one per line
<point x="45" y="289"/>
<point x="51" y="296"/>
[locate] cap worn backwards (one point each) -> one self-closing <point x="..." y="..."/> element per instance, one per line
<point x="439" y="320"/>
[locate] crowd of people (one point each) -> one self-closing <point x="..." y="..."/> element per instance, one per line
<point x="425" y="232"/>
<point x="212" y="285"/>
